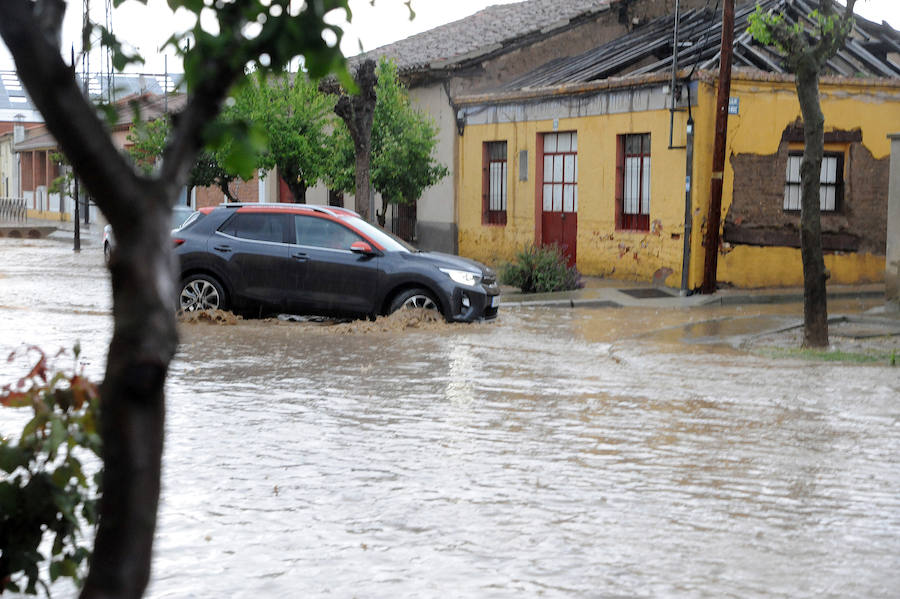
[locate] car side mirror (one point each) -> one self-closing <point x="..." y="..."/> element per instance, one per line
<point x="363" y="248"/>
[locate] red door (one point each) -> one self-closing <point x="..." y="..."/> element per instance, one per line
<point x="559" y="192"/>
<point x="561" y="228"/>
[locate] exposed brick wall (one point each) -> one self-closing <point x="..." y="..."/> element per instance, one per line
<point x="244" y="191"/>
<point x="756" y="215"/>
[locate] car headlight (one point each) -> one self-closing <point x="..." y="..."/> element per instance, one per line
<point x="463" y="277"/>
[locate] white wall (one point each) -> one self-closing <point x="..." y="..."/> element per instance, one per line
<point x="436" y="211"/>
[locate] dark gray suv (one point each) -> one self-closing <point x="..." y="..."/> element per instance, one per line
<point x="259" y="259"/>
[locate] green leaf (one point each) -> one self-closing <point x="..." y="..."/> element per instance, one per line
<point x="12" y="458"/>
<point x="58" y="434"/>
<point x="32" y="426"/>
<point x="9" y="497"/>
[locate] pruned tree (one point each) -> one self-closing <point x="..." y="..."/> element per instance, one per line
<point x="264" y="33"/>
<point x="404" y="138"/>
<point x="294" y="115"/>
<point x="805" y="54"/>
<point x="402" y="163"/>
<point x="358" y="112"/>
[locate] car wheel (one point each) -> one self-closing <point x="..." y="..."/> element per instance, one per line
<point x="202" y="292"/>
<point x="415" y="298"/>
<point x="107" y="252"/>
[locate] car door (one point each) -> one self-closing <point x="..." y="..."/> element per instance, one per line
<point x="253" y="247"/>
<point x="334" y="280"/>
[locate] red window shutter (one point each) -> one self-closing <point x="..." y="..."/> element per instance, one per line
<point x="620" y="181"/>
<point x="485" y="184"/>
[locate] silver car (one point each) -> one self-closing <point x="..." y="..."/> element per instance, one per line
<point x="180" y="214"/>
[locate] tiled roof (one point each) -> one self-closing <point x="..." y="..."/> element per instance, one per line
<point x="484" y="32"/>
<point x="37" y="138"/>
<point x="870" y="52"/>
<point x="151" y="107"/>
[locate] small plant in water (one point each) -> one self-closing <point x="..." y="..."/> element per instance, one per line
<point x="538" y="269"/>
<point x="45" y="492"/>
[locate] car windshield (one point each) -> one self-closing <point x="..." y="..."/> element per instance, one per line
<point x="388" y="241"/>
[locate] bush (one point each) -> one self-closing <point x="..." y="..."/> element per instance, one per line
<point x="538" y="269"/>
<point x="44" y="489"/>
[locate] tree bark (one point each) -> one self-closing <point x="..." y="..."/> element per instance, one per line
<point x="815" y="309"/>
<point x="358" y="112"/>
<point x="225" y="186"/>
<point x="295" y="184"/>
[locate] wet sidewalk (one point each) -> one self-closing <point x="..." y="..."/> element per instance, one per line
<point x="875" y="323"/>
<point x="37" y="228"/>
<point x="601" y="292"/>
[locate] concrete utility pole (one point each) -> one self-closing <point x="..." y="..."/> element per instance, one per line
<point x="714" y="217"/>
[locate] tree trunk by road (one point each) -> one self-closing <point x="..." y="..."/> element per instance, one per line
<point x="295" y="184"/>
<point x="815" y="309"/>
<point x="806" y="46"/>
<point x="143" y="274"/>
<point x="358" y="112"/>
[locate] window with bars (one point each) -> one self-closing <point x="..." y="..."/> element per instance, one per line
<point x="633" y="182"/>
<point x="560" y="172"/>
<point x="831" y="182"/>
<point x="494" y="183"/>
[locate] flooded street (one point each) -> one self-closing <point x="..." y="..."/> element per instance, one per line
<point x="553" y="453"/>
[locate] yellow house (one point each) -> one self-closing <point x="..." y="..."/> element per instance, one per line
<point x="598" y="155"/>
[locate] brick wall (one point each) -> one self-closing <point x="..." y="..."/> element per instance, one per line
<point x="244" y="191"/>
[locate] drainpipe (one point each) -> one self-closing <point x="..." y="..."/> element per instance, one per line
<point x="688" y="185"/>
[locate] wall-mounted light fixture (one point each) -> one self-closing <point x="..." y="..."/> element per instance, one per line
<point x="460" y="122"/>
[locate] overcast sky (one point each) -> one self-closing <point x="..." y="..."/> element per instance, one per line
<point x="147" y="27"/>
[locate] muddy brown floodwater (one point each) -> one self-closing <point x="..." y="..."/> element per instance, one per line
<point x="548" y="454"/>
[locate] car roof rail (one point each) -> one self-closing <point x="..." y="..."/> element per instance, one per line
<point x="329" y="210"/>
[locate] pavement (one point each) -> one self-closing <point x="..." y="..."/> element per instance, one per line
<point x="875" y="330"/>
<point x="611" y="293"/>
<point x="37" y="228"/>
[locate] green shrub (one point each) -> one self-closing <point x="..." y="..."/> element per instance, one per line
<point x="537" y="269"/>
<point x="45" y="492"/>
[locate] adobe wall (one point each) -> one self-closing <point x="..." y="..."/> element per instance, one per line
<point x="620" y="19"/>
<point x="756" y="215"/>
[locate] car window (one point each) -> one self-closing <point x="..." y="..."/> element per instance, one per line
<point x="258" y="226"/>
<point x="388" y="241"/>
<point x="181" y="217"/>
<point x="320" y="232"/>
